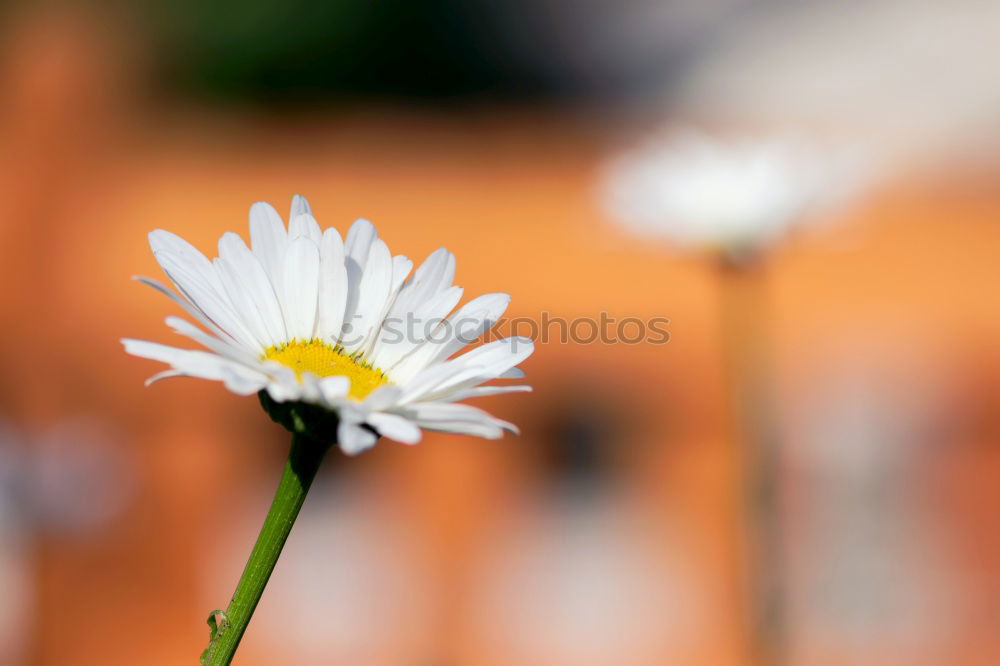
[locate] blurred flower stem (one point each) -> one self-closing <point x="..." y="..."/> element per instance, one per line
<point x="228" y="626"/>
<point x="745" y="316"/>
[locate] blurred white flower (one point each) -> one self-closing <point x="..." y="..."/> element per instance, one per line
<point x="699" y="191"/>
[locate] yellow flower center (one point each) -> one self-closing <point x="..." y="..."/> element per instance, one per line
<point x="322" y="360"/>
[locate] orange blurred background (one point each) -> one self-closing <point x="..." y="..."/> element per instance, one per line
<point x="610" y="531"/>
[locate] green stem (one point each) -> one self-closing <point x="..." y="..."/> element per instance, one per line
<point x="300" y="470"/>
<point x="746" y="335"/>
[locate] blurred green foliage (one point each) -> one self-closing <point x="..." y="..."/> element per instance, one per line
<point x="291" y="51"/>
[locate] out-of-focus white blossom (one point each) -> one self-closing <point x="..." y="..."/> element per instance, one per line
<point x="699" y="191"/>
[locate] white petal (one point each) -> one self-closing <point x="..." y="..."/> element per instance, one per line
<point x="282" y="392"/>
<point x="482" y="391"/>
<point x="196" y="262"/>
<point x="491" y="360"/>
<point x="244" y="266"/>
<point x="205" y="298"/>
<point x="300" y="206"/>
<point x="157" y="352"/>
<point x="459" y="418"/>
<point x="439" y="378"/>
<point x="403" y="332"/>
<point x="268" y="238"/>
<point x="434" y="275"/>
<point x="217" y="345"/>
<point x="184" y="303"/>
<point x="354" y="438"/>
<point x="283" y="385"/>
<point x="166" y="374"/>
<point x="304" y="225"/>
<point x="332" y="287"/>
<point x="360" y="238"/>
<point x="334" y="388"/>
<point x="395" y="427"/>
<point x="500" y="355"/>
<point x="383" y="397"/>
<point x="239" y="381"/>
<point x="301" y="287"/>
<point x="241" y="302"/>
<point x="462" y="328"/>
<point x="194" y="363"/>
<point x="401" y="267"/>
<point x="472" y="321"/>
<point x="373" y="292"/>
<point x="311" y="391"/>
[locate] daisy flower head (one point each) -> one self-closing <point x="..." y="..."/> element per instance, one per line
<point x="699" y="191"/>
<point x="334" y="330"/>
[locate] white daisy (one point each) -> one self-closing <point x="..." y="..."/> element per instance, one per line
<point x="309" y="318"/>
<point x="700" y="191"/>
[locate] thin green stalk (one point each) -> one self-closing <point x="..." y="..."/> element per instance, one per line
<point x="229" y="626"/>
<point x="746" y="336"/>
